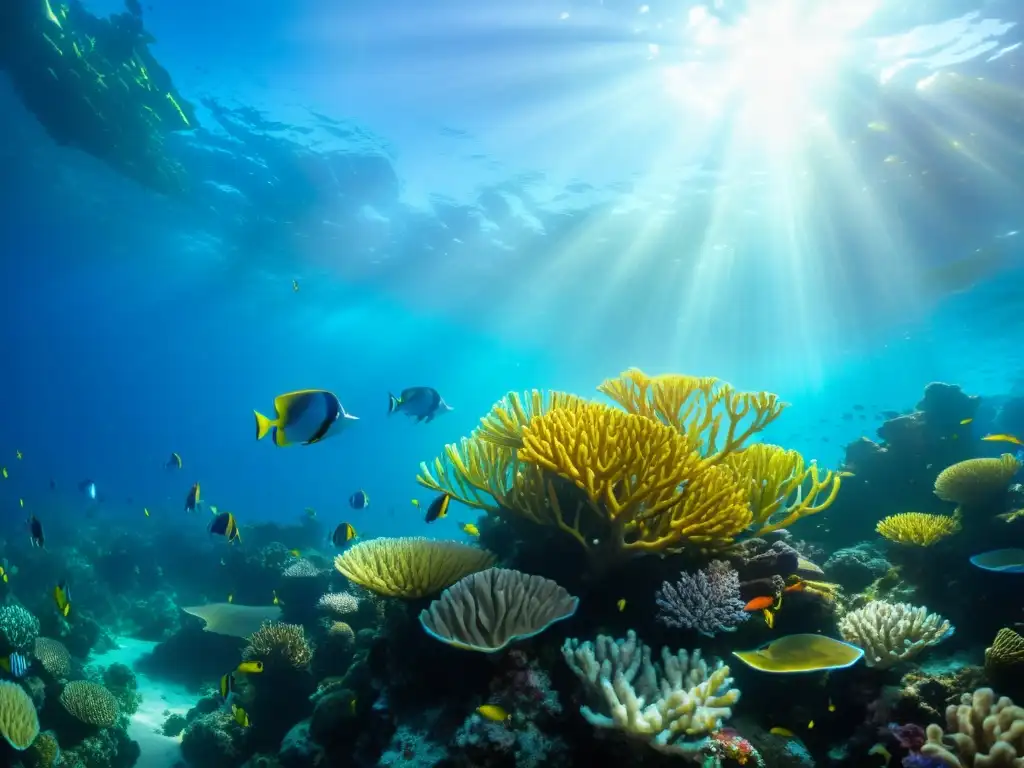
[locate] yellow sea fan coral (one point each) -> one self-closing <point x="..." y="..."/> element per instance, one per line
<point x="504" y="424"/>
<point x="280" y="645"/>
<point x="91" y="703"/>
<point x="917" y="528"/>
<point x="779" y="479"/>
<point x="53" y="656"/>
<point x="1007" y="650"/>
<point x="19" y="723"/>
<point x="975" y="481"/>
<point x="410" y="567"/>
<point x="643" y="480"/>
<point x="696" y="407"/>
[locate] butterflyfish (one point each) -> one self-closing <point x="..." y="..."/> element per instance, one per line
<point x="295" y="286"/>
<point x="621" y="604"/>
<point x="276" y="601"/>
<point x="359" y="500"/>
<point x="343" y="534"/>
<point x="305" y="417"/>
<point x="420" y="403"/>
<point x="18" y="454"/>
<point x="438" y="508"/>
<point x="224" y="525"/>
<point x="16" y="665"/>
<point x="3" y="574"/>
<point x="62" y="597"/>
<point x="240" y="715"/>
<point x="227" y="685"/>
<point x="192" y="500"/>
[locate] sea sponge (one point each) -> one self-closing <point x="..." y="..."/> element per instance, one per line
<point x="280" y="645"/>
<point x="917" y="528"/>
<point x="90" y="702"/>
<point x="684" y="696"/>
<point x="981" y="732"/>
<point x="53" y="657"/>
<point x="19" y="723"/>
<point x="486" y="611"/>
<point x="892" y="632"/>
<point x="1007" y="650"/>
<point x="410" y="567"/>
<point x="782" y="487"/>
<point x="645" y="486"/>
<point x="18" y="629"/>
<point x="339" y="603"/>
<point x="976" y="481"/>
<point x="695" y="406"/>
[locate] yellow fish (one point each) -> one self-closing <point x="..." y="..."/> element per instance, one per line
<point x="470" y="529"/>
<point x="782" y="732"/>
<point x="3" y="574"/>
<point x="493" y="712"/>
<point x="62" y="597"/>
<point x="810" y="725"/>
<point x="240" y="715"/>
<point x="5" y="472"/>
<point x="145" y="511"/>
<point x="352" y="705"/>
<point x="1009" y="517"/>
<point x="250" y="667"/>
<point x="18" y="454"/>
<point x="295" y="286"/>
<point x="294" y="553"/>
<point x="996" y="439"/>
<point x="769" y="617"/>
<point x="276" y="601"/>
<point x="966" y="421"/>
<point x="621" y="604"/>
<point x="415" y="502"/>
<point x="231" y="597"/>
<point x="21" y="502"/>
<point x="831" y="706"/>
<point x="846" y="474"/>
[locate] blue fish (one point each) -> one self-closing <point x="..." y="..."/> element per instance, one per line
<point x="305" y="417"/>
<point x="420" y="403"/>
<point x="88" y="487"/>
<point x="359" y="500"/>
<point x="1000" y="560"/>
<point x="15" y="665"/>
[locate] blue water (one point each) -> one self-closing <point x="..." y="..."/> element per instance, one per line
<point x="484" y="197"/>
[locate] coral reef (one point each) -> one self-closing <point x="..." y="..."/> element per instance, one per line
<point x="280" y="645"/>
<point x="19" y="724"/>
<point x="917" y="528"/>
<point x="90" y="703"/>
<point x="981" y="731"/>
<point x="18" y="629"/>
<point x="891" y="633"/>
<point x="707" y="601"/>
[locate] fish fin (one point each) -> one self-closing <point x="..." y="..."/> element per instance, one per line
<point x="263" y="425"/>
<point x="280" y="440"/>
<point x="393" y="403"/>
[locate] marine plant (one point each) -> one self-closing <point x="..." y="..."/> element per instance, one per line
<point x="662" y="470"/>
<point x="19" y="724"/>
<point x="917" y="528"/>
<point x="672" y="706"/>
<point x="410" y="567"/>
<point x="279" y="646"/>
<point x="486" y="611"/>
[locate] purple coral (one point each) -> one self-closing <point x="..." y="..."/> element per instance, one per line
<point x="707" y="601"/>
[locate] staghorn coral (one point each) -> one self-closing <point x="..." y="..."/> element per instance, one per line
<point x="776" y="476"/>
<point x="410" y="567"/>
<point x="695" y="407"/>
<point x="18" y="629"/>
<point x="671" y="706"/>
<point x="19" y="723"/>
<point x="1007" y="650"/>
<point x="707" y="601"/>
<point x="91" y="703"/>
<point x="53" y="657"/>
<point x="279" y="645"/>
<point x="486" y="611"/>
<point x="644" y="485"/>
<point x="981" y="732"/>
<point x="976" y="481"/>
<point x="339" y="603"/>
<point x="892" y="632"/>
<point x="917" y="528"/>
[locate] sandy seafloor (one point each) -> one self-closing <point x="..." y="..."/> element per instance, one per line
<point x="158" y="701"/>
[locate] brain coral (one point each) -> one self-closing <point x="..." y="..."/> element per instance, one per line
<point x="18" y="628"/>
<point x="19" y="723"/>
<point x="53" y="656"/>
<point x="90" y="703"/>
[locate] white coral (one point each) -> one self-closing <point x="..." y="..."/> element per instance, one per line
<point x="662" y="704"/>
<point x="893" y="632"/>
<point x="339" y="603"/>
<point x="982" y="733"/>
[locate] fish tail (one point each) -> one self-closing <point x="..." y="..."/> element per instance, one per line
<point x="263" y="425"/>
<point x="393" y="403"/>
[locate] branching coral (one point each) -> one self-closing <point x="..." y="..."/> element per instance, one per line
<point x="19" y="724"/>
<point x="783" y="488"/>
<point x="503" y="426"/>
<point x="410" y="567"/>
<point x="892" y="632"/>
<point x="280" y="645"/>
<point x="18" y="629"/>
<point x="696" y="407"/>
<point x="981" y="732"/>
<point x="707" y="601"/>
<point x="339" y="603"/>
<point x="670" y="706"/>
<point x="976" y="481"/>
<point x="917" y="528"/>
<point x="486" y="611"/>
<point x="91" y="703"/>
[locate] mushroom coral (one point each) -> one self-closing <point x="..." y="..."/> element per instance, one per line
<point x="662" y="470"/>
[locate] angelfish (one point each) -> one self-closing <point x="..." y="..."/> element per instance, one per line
<point x="420" y="403"/>
<point x="307" y="416"/>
